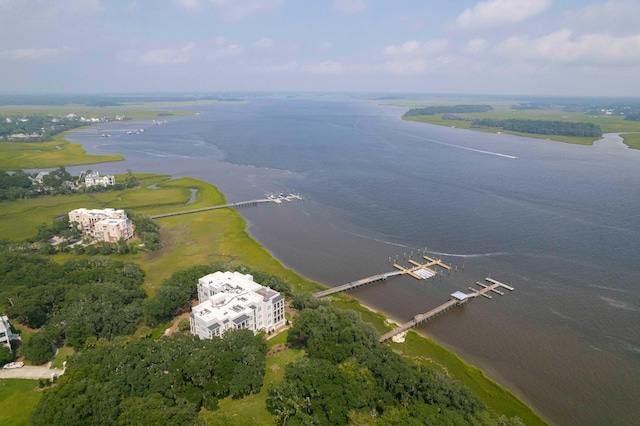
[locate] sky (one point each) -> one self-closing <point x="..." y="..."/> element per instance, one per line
<point x="507" y="47"/>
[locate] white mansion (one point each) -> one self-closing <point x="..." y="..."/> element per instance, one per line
<point x="105" y="225"/>
<point x="233" y="300"/>
<point x="94" y="179"/>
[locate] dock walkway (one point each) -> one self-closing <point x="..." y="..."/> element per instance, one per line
<point x="418" y="271"/>
<point x="457" y="299"/>
<point x="356" y="284"/>
<point x="277" y="200"/>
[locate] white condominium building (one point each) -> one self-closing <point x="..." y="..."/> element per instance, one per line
<point x="6" y="335"/>
<point x="233" y="300"/>
<point x="93" y="179"/>
<point x="105" y="225"/>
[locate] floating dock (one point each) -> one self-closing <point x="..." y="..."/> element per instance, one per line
<point x="457" y="299"/>
<point x="422" y="271"/>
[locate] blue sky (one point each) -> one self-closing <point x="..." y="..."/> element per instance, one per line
<point x="523" y="47"/>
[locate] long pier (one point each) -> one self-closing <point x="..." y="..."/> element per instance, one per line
<point x="418" y="271"/>
<point x="272" y="199"/>
<point x="356" y="284"/>
<point x="457" y="299"/>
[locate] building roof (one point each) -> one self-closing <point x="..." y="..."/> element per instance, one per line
<point x="460" y="295"/>
<point x="242" y="318"/>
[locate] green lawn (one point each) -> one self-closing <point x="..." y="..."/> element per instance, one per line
<point x="17" y="400"/>
<point x="62" y="355"/>
<point x="251" y="410"/>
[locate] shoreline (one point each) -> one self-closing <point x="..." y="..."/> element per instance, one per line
<point x="387" y="318"/>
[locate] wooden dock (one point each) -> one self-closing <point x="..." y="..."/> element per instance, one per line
<point x="356" y="284"/>
<point x="418" y="271"/>
<point x="457" y="299"/>
<point x="273" y="199"/>
<point x="434" y="262"/>
<point x="422" y="271"/>
<point x="420" y="318"/>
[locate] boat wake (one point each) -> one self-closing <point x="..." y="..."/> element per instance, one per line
<point x="497" y="253"/>
<point x="475" y="150"/>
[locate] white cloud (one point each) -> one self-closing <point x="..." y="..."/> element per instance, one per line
<point x="279" y="68"/>
<point x="324" y="67"/>
<point x="35" y="54"/>
<point x="350" y="6"/>
<point x="167" y="56"/>
<point x="492" y="13"/>
<point x="411" y="67"/>
<point x="414" y="48"/>
<point x="611" y="16"/>
<point x="36" y="13"/>
<point x="265" y="43"/>
<point x="412" y="23"/>
<point x="229" y="10"/>
<point x="190" y="5"/>
<point x="563" y="47"/>
<point x="225" y="51"/>
<point x="325" y="46"/>
<point x="476" y="46"/>
<point x="237" y="10"/>
<point x="416" y="66"/>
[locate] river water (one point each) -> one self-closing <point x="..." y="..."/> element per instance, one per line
<point x="556" y="221"/>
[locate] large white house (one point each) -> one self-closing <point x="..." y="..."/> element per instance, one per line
<point x="6" y="336"/>
<point x="233" y="300"/>
<point x="93" y="179"/>
<point x="105" y="225"/>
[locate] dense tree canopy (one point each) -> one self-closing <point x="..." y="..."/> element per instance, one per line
<point x="5" y="355"/>
<point x="95" y="297"/>
<point x="542" y="127"/>
<point x="38" y="349"/>
<point x="163" y="382"/>
<point x="348" y="377"/>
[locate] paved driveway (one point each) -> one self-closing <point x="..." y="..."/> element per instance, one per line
<point x="30" y="372"/>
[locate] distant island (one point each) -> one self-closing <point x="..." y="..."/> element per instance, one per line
<point x="580" y="121"/>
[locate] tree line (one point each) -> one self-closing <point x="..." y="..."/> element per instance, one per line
<point x="160" y="382"/>
<point x="445" y="109"/>
<point x="71" y="302"/>
<point x="19" y="184"/>
<point x="541" y="127"/>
